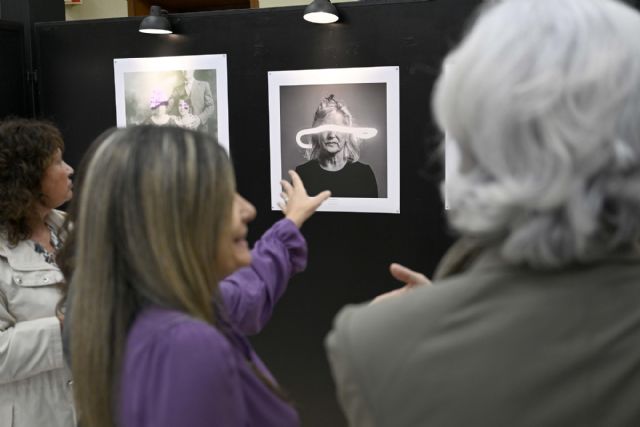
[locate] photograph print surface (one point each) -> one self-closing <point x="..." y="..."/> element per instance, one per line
<point x="185" y="91"/>
<point x="339" y="129"/>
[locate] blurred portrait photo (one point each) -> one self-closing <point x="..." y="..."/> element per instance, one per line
<point x="185" y="91"/>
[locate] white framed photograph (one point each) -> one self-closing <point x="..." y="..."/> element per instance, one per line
<point x="340" y="130"/>
<point x="186" y="91"/>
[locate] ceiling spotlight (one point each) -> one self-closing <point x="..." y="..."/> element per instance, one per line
<point x="321" y="12"/>
<point x="156" y="23"/>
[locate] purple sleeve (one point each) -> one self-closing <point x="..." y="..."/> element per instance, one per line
<point x="190" y="377"/>
<point x="251" y="293"/>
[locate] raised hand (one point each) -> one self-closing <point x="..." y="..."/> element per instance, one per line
<point x="410" y="278"/>
<point x="296" y="204"/>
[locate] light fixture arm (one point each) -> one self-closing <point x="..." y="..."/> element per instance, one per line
<point x="158" y="11"/>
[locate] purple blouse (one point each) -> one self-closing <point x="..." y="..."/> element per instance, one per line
<point x="180" y="371"/>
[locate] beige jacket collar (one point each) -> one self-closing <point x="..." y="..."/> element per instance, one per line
<point x="23" y="256"/>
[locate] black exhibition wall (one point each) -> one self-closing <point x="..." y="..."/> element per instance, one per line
<point x="349" y="252"/>
<point x="13" y="71"/>
<point x="27" y="12"/>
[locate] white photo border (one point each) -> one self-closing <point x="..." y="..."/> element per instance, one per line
<point x="388" y="75"/>
<point x="172" y="63"/>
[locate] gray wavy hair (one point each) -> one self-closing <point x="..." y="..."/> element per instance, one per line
<point x="542" y="98"/>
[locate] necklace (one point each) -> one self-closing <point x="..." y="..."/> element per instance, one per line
<point x="56" y="244"/>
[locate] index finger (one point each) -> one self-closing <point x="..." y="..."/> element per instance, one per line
<point x="286" y="186"/>
<point x="295" y="179"/>
<point x="406" y="275"/>
<point x="321" y="197"/>
<point x="400" y="272"/>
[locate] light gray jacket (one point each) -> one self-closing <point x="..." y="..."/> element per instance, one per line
<point x="35" y="384"/>
<point x="494" y="345"/>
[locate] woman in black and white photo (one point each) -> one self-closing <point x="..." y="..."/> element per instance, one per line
<point x="158" y="104"/>
<point x="333" y="154"/>
<point x="186" y="119"/>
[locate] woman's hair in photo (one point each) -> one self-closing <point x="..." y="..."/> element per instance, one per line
<point x="185" y="104"/>
<point x="151" y="210"/>
<point x="542" y="98"/>
<point x="328" y="105"/>
<point x="158" y="98"/>
<point x="27" y="148"/>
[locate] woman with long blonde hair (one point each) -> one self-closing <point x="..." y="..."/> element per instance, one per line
<point x="155" y="340"/>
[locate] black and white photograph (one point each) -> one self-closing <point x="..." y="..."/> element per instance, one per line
<point x="185" y="91"/>
<point x="339" y="130"/>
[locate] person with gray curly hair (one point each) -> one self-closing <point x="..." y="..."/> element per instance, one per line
<point x="532" y="319"/>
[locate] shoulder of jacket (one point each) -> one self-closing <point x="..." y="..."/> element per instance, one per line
<point x="5" y="248"/>
<point x="173" y="325"/>
<point x="55" y="218"/>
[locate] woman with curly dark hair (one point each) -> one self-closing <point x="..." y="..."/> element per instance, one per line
<point x="35" y="386"/>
